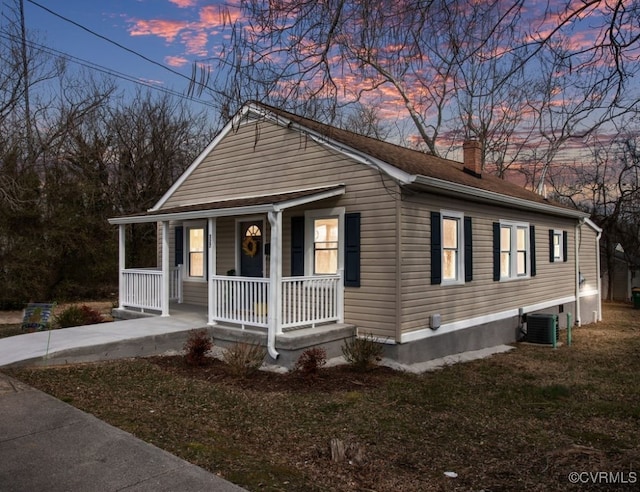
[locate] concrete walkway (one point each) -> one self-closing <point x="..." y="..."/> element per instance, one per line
<point x="46" y="444"/>
<point x="120" y="339"/>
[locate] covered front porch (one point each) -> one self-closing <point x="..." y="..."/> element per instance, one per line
<point x="253" y="295"/>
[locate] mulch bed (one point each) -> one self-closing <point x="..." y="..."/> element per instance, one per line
<point x="342" y="378"/>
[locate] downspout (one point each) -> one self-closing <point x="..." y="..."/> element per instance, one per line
<point x="577" y="271"/>
<point x="599" y="280"/>
<point x="275" y="282"/>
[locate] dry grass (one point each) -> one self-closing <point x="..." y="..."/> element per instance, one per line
<point x="517" y="421"/>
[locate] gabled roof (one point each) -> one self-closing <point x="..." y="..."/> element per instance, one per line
<point x="422" y="168"/>
<point x="410" y="168"/>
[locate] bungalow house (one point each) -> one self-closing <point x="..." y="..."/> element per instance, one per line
<point x="304" y="234"/>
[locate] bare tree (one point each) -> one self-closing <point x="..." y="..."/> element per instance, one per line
<point x="487" y="70"/>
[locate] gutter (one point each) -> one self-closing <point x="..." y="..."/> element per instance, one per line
<point x="491" y="197"/>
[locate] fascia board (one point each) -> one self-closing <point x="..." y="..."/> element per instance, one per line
<point x="399" y="175"/>
<point x="223" y="212"/>
<point x="492" y="197"/>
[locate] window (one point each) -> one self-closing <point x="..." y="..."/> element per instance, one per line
<point x="451" y="248"/>
<point x="558" y="245"/>
<point x="325" y="246"/>
<point x="195" y="248"/>
<point x="514" y="250"/>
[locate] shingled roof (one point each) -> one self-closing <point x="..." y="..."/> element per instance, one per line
<point x="412" y="161"/>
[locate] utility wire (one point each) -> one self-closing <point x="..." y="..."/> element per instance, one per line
<point x="115" y="43"/>
<point x="108" y="71"/>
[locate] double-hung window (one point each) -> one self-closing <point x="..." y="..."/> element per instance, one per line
<point x="558" y="245"/>
<point x="324" y="243"/>
<point x="196" y="250"/>
<point x="452" y="252"/>
<point x="514" y="250"/>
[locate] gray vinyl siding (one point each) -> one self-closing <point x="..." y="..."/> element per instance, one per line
<point x="262" y="158"/>
<point x="482" y="296"/>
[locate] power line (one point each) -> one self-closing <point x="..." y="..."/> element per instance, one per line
<point x="121" y="46"/>
<point x="108" y="71"/>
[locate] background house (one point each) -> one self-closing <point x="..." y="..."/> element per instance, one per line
<point x="285" y="226"/>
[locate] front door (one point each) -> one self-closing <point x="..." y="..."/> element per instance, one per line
<point x="251" y="248"/>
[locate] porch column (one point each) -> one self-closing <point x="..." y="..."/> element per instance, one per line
<point x="275" y="282"/>
<point x="211" y="262"/>
<point x="121" y="264"/>
<point x="165" y="268"/>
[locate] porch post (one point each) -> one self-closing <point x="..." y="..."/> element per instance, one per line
<point x="165" y="268"/>
<point x="121" y="264"/>
<point x="211" y="262"/>
<point x="340" y="293"/>
<point x="275" y="282"/>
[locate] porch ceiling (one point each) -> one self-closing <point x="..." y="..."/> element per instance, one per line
<point x="235" y="206"/>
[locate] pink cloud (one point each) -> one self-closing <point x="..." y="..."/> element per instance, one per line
<point x="183" y="4"/>
<point x="166" y="29"/>
<point x="175" y="61"/>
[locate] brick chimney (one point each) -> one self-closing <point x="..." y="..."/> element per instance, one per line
<point x="472" y="158"/>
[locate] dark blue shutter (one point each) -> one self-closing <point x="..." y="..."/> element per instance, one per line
<point x="436" y="249"/>
<point x="297" y="246"/>
<point x="565" y="246"/>
<point x="551" y="248"/>
<point x="468" y="250"/>
<point x="352" y="250"/>
<point x="496" y="251"/>
<point x="532" y="249"/>
<point x="179" y="245"/>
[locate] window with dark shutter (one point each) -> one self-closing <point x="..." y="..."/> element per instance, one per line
<point x="496" y="251"/>
<point x="436" y="249"/>
<point x="468" y="250"/>
<point x="532" y="249"/>
<point x="179" y="245"/>
<point x="565" y="246"/>
<point x="297" y="246"/>
<point x="352" y="250"/>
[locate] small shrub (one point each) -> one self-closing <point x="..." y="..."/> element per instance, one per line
<point x="244" y="359"/>
<point x="78" y="316"/>
<point x="197" y="347"/>
<point x="310" y="361"/>
<point x="362" y="352"/>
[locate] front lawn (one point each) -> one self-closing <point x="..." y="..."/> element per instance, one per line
<point x="522" y="420"/>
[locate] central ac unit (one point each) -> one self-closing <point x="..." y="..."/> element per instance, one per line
<point x="540" y="328"/>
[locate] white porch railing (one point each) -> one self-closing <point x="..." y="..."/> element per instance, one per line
<point x="306" y="301"/>
<point x="310" y="300"/>
<point x="142" y="287"/>
<point x="241" y="300"/>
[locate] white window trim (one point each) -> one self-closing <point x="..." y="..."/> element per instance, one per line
<point x="194" y="224"/>
<point x="450" y="214"/>
<point x="309" y="236"/>
<point x="514" y="249"/>
<point x="560" y="234"/>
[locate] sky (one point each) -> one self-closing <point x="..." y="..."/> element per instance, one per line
<point x="172" y="33"/>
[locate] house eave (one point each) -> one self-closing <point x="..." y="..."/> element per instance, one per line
<point x="205" y="213"/>
<point x="399" y="175"/>
<point x="491" y="197"/>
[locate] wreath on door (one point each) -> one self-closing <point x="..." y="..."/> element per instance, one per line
<point x="249" y="246"/>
